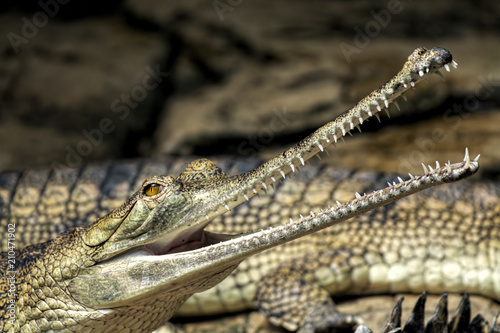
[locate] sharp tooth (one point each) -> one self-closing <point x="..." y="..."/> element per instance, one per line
<point x="389" y="184"/>
<point x="327" y="140"/>
<point x="427" y="69"/>
<point x="438" y="73"/>
<point x="405" y="85"/>
<point x="359" y="128"/>
<point x="358" y="196"/>
<point x="412" y="84"/>
<point x="226" y="206"/>
<point x="370" y="113"/>
<point x="386" y="103"/>
<point x="321" y="147"/>
<point x="411" y="176"/>
<point x="421" y="73"/>
<point x="400" y="180"/>
<point x="292" y="167"/>
<point x="301" y="160"/>
<point x="338" y="204"/>
<point x="477" y="158"/>
<point x="335" y="138"/>
<point x="264" y="186"/>
<point x="379" y="108"/>
<point x="246" y="197"/>
<point x="404" y="97"/>
<point x="430" y="168"/>
<point x="351" y="125"/>
<point x="437" y="165"/>
<point x="467" y="158"/>
<point x="301" y="217"/>
<point x="360" y="120"/>
<point x="254" y="191"/>
<point x="387" y="111"/>
<point x="343" y="131"/>
<point x="454" y="63"/>
<point x="397" y="105"/>
<point x="378" y="117"/>
<point x="291" y="221"/>
<point x="282" y="174"/>
<point x="274" y="179"/>
<point x="312" y="214"/>
<point x="425" y="168"/>
<point x="447" y="67"/>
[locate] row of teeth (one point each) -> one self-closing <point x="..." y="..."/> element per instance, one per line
<point x="446" y="66"/>
<point x="428" y="171"/>
<point x="360" y="119"/>
<point x="360" y="202"/>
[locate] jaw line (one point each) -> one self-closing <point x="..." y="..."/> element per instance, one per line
<point x="182" y="240"/>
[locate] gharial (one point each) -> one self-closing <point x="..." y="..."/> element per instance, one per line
<point x="132" y="269"/>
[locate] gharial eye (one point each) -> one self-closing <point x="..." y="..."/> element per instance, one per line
<point x="152" y="189"/>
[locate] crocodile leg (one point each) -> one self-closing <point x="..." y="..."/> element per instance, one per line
<point x="288" y="300"/>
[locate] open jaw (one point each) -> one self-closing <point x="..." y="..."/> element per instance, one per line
<point x="192" y="238"/>
<point x="184" y="254"/>
<point x="234" y="190"/>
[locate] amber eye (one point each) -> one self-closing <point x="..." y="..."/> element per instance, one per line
<point x="152" y="189"/>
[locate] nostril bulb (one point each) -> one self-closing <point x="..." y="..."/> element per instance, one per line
<point x="444" y="54"/>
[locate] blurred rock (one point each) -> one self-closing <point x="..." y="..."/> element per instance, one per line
<point x="247" y="78"/>
<point x="81" y="88"/>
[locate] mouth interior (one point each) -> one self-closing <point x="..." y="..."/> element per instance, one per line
<point x="192" y="238"/>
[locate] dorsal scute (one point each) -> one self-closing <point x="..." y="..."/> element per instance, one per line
<point x="201" y="170"/>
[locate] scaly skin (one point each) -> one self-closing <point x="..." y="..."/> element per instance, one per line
<point x="163" y="222"/>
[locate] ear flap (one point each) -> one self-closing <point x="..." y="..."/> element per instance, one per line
<point x="102" y="229"/>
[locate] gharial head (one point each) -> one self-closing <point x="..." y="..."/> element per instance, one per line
<point x="163" y="216"/>
<point x="169" y="214"/>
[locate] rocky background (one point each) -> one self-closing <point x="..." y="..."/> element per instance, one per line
<point x="82" y="81"/>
